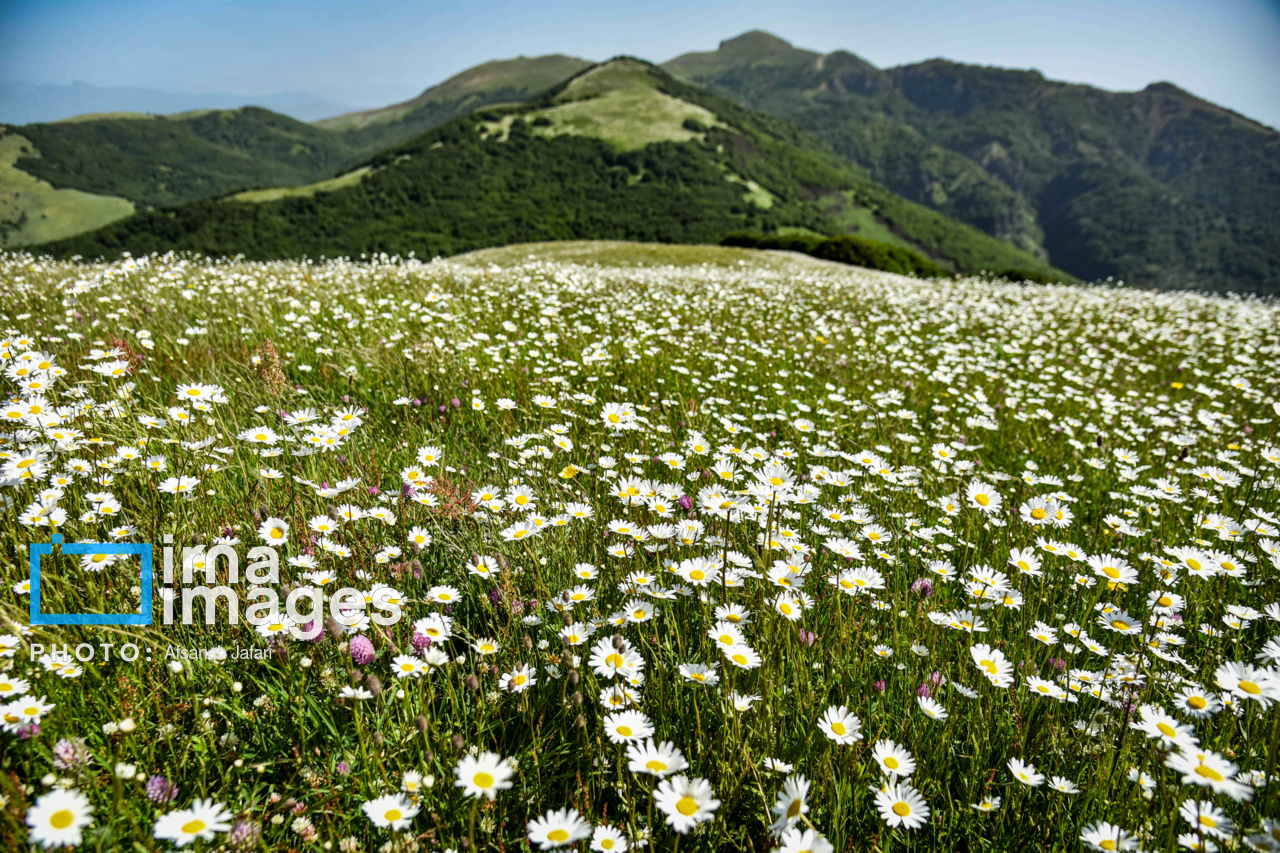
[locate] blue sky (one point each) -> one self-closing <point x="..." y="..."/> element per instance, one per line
<point x="371" y="53"/>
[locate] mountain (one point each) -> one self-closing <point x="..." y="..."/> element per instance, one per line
<point x="31" y="103"/>
<point x="622" y="150"/>
<point x="67" y="177"/>
<point x="501" y="81"/>
<point x="1156" y="187"/>
<point x="146" y="161"/>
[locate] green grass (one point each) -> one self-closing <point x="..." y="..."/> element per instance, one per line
<point x="346" y="179"/>
<point x="624" y="254"/>
<point x="32" y="211"/>
<point x="855" y="219"/>
<point x="884" y="401"/>
<point x="619" y="104"/>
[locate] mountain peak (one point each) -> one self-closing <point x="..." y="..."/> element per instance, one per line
<point x="756" y="42"/>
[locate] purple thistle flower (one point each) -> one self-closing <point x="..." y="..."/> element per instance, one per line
<point x="244" y="835"/>
<point x="924" y="586"/>
<point x="878" y="686"/>
<point x="160" y="790"/>
<point x="686" y="503"/>
<point x="343" y="768"/>
<point x="421" y="642"/>
<point x="362" y="650"/>
<point x="28" y="731"/>
<point x="70" y="753"/>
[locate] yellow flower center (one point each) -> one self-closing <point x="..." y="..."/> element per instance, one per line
<point x="61" y="819"/>
<point x="1209" y="773"/>
<point x="687" y="806"/>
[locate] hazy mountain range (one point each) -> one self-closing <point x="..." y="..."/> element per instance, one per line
<point x="970" y="166"/>
<point x="26" y="103"/>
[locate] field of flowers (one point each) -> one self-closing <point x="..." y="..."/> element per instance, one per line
<point x="731" y="554"/>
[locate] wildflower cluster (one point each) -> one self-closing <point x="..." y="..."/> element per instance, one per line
<point x="737" y="557"/>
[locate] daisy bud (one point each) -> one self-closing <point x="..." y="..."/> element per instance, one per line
<point x="374" y="684"/>
<point x="473" y="683"/>
<point x="580" y="722"/>
<point x="423" y="724"/>
<point x="458" y="743"/>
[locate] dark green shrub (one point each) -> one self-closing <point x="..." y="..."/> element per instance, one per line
<point x="859" y="251"/>
<point x="741" y="240"/>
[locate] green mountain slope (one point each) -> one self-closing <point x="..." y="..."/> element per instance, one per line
<point x="620" y="151"/>
<point x="151" y="161"/>
<point x="1155" y="187"/>
<point x="34" y="211"/>
<point x="501" y="81"/>
<point x="164" y="160"/>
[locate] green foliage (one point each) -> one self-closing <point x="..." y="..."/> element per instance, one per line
<point x="169" y="160"/>
<point x="467" y="193"/>
<point x="848" y="249"/>
<point x="1157" y="187"/>
<point x="845" y="249"/>
<point x="467" y="185"/>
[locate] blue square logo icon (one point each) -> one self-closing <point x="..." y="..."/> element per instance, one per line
<point x="38" y="549"/>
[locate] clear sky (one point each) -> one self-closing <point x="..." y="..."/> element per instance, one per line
<point x="368" y="53"/>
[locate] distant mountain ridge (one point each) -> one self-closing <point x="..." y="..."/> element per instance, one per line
<point x="31" y="103"/>
<point x="621" y="150"/>
<point x="1156" y="187"/>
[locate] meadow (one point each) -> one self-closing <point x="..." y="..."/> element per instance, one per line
<point x="697" y="549"/>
